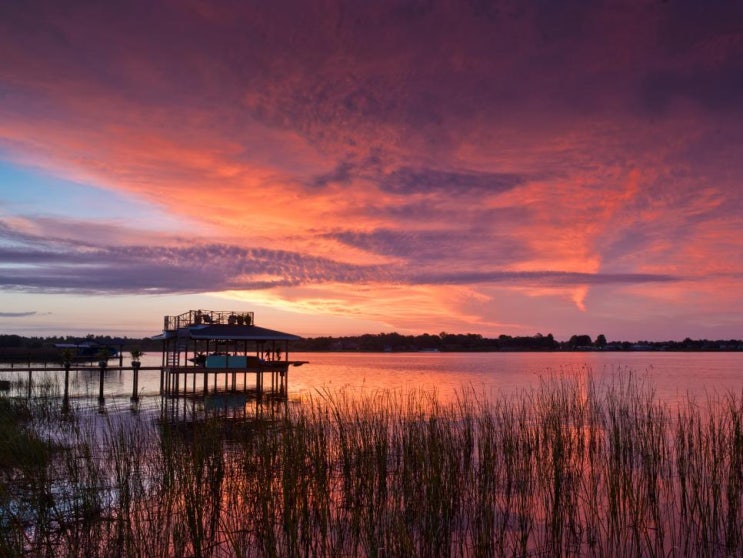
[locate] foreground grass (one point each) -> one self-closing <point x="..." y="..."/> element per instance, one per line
<point x="566" y="469"/>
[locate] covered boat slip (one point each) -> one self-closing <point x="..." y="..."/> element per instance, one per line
<point x="207" y="351"/>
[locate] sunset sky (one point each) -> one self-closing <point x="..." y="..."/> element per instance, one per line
<point x="347" y="167"/>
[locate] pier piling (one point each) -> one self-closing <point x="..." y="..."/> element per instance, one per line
<point x="66" y="393"/>
<point x="102" y="365"/>
<point x="135" y="381"/>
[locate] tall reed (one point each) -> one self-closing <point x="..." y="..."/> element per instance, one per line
<point x="568" y="468"/>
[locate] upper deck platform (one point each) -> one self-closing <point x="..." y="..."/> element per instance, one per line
<point x="219" y="325"/>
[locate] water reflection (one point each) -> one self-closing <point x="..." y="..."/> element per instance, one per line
<point x="226" y="407"/>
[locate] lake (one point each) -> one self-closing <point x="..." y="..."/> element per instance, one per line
<point x="674" y="375"/>
<point x="562" y="471"/>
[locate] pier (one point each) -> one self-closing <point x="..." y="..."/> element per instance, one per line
<point x="204" y="352"/>
<point x="101" y="369"/>
<point x="207" y="350"/>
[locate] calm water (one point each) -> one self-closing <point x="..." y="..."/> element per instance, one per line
<point x="675" y="376"/>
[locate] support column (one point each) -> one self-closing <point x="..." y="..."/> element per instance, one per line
<point x="66" y="396"/>
<point x="102" y="365"/>
<point x="135" y="381"/>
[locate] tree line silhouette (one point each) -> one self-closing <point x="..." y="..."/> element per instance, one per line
<point x="475" y="342"/>
<point x="15" y="347"/>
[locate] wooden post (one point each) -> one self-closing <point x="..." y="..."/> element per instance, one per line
<point x="66" y="396"/>
<point x="135" y="381"/>
<point x="102" y="366"/>
<point x="30" y="381"/>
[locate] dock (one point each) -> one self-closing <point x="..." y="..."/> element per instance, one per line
<point x="102" y="368"/>
<point x="204" y="352"/>
<point x="209" y="347"/>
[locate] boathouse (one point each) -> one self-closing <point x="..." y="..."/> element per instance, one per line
<point x="206" y="351"/>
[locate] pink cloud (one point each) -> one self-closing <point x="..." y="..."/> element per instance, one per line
<point x="553" y="152"/>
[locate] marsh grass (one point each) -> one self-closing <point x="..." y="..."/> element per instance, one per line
<point x="569" y="468"/>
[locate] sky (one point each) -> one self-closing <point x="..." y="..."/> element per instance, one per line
<point x="348" y="167"/>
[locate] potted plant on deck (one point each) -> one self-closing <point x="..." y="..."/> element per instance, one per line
<point x="103" y="356"/>
<point x="136" y="355"/>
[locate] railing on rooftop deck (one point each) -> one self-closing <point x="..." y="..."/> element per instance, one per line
<point x="196" y="317"/>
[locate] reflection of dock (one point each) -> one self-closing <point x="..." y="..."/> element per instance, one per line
<point x="225" y="410"/>
<point x="206" y="351"/>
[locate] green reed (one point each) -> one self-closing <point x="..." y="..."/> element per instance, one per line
<point x="569" y="468"/>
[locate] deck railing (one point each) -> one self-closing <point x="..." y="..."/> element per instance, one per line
<point x="208" y="317"/>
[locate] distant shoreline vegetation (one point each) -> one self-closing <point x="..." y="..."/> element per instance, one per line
<point x="42" y="349"/>
<point x="472" y="342"/>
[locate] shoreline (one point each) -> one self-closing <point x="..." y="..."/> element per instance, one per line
<point x="51" y="355"/>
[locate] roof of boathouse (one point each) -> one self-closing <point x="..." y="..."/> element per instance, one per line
<point x="242" y="332"/>
<point x="210" y="324"/>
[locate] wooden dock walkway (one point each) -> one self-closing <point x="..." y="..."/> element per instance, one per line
<point x="174" y="380"/>
<point x="102" y="368"/>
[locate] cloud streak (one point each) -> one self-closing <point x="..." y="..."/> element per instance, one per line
<point x="16" y="314"/>
<point x="526" y="151"/>
<point x="68" y="266"/>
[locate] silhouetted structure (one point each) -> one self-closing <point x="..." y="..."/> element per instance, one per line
<point x="222" y="349"/>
